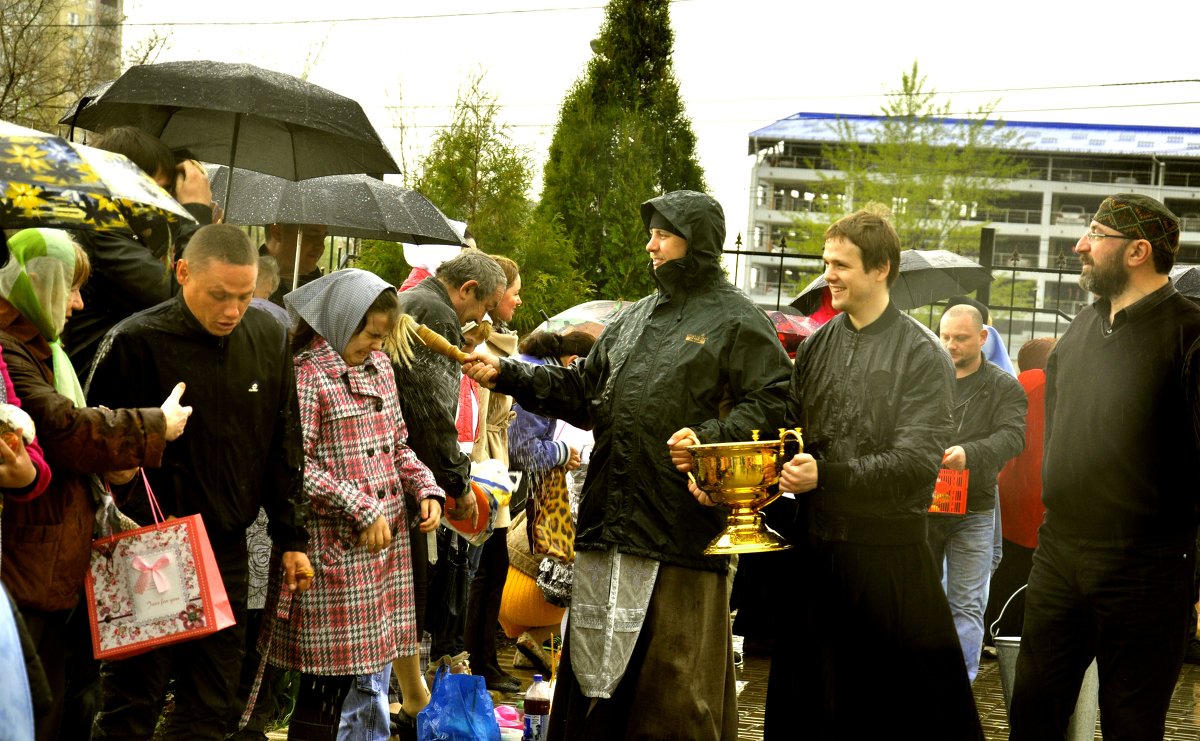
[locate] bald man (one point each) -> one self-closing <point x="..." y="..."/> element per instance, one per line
<point x="989" y="429"/>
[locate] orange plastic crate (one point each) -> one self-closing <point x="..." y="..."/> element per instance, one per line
<point x="950" y="492"/>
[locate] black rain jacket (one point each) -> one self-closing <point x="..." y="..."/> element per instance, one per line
<point x="875" y="407"/>
<point x="989" y="424"/>
<point x="697" y="353"/>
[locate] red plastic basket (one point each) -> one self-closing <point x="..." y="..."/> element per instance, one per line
<point x="950" y="493"/>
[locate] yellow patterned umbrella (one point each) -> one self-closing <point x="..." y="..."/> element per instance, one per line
<point x="46" y="181"/>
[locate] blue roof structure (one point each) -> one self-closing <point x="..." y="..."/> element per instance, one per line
<point x="1098" y="139"/>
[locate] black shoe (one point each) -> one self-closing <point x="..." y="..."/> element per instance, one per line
<point x="403" y="726"/>
<point x="1192" y="655"/>
<point x="505" y="683"/>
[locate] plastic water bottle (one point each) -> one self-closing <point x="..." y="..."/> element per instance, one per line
<point x="537" y="710"/>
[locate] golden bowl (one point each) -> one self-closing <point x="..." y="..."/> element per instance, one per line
<point x="743" y="476"/>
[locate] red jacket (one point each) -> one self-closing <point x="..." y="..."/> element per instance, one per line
<point x="1021" y="507"/>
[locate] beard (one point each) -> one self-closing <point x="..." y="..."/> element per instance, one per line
<point x="1106" y="279"/>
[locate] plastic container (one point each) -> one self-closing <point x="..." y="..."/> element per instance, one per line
<point x="537" y="709"/>
<point x="1083" y="719"/>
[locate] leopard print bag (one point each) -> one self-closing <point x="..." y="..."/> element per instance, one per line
<point x="551" y="530"/>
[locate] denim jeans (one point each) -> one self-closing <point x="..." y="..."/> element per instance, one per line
<point x="966" y="545"/>
<point x="365" y="709"/>
<point x="998" y="536"/>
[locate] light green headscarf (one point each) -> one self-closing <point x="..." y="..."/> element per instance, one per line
<point x="37" y="281"/>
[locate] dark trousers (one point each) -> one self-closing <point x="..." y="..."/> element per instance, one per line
<point x="318" y="707"/>
<point x="1011" y="575"/>
<point x="1127" y="605"/>
<point x="266" y="708"/>
<point x="205" y="673"/>
<point x="446" y="598"/>
<point x="859" y="603"/>
<point x="483" y="605"/>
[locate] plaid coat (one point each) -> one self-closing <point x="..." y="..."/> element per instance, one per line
<point x="359" y="613"/>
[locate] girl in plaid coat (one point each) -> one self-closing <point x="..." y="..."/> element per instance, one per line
<point x="344" y="632"/>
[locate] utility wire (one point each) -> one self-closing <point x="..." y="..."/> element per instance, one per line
<point x="314" y="21"/>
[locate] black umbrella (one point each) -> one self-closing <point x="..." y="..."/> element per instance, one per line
<point x="1187" y="280"/>
<point x="925" y="276"/>
<point x="239" y="114"/>
<point x="349" y="205"/>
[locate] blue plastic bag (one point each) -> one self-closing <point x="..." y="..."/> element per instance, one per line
<point x="459" y="709"/>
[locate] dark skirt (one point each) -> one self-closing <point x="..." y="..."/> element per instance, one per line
<point x="871" y="652"/>
<point x="680" y="682"/>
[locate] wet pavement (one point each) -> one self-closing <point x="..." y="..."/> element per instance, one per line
<point x="1183" y="718"/>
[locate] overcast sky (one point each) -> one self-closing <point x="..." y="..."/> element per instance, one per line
<point x="741" y="64"/>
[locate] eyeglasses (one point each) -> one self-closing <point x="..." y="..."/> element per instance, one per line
<point x="1094" y="237"/>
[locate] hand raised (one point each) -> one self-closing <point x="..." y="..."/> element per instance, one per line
<point x="176" y="414"/>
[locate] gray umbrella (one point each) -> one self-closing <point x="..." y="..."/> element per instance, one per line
<point x="925" y="276"/>
<point x="349" y="205"/>
<point x="239" y="114"/>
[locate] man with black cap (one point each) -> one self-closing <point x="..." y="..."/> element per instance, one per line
<point x="1112" y="573"/>
<point x="649" y="652"/>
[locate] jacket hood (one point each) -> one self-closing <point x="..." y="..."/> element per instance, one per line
<point x="701" y="221"/>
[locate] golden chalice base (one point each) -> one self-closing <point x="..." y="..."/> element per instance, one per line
<point x="738" y="475"/>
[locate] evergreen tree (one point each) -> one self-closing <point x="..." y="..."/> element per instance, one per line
<point x="475" y="173"/>
<point x="931" y="175"/>
<point x="622" y="137"/>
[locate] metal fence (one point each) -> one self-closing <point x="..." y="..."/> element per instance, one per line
<point x="1056" y="298"/>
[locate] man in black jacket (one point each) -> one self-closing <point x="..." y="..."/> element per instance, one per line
<point x="988" y="429"/>
<point x="695" y="361"/>
<point x="872" y="389"/>
<point x="463" y="289"/>
<point x="1112" y="573"/>
<point x="241" y="449"/>
<point x="133" y="271"/>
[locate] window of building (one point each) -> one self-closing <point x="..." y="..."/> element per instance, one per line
<point x="73" y="19"/>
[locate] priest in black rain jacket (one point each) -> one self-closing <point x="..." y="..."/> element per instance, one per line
<point x="696" y="361"/>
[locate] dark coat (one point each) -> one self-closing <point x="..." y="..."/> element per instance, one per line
<point x="48" y="540"/>
<point x="697" y="353"/>
<point x="242" y="446"/>
<point x="989" y="424"/>
<point x="875" y="408"/>
<point x="429" y="389"/>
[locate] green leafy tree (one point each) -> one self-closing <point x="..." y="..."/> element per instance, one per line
<point x="931" y="175"/>
<point x="622" y="137"/>
<point x="475" y="173"/>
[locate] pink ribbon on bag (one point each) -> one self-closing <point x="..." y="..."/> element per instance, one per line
<point x="151" y="572"/>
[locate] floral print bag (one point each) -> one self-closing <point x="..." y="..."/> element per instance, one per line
<point x="154" y="586"/>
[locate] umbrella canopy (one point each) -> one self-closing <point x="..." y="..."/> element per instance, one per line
<point x="792" y="329"/>
<point x="349" y="205"/>
<point x="925" y="276"/>
<point x="46" y="181"/>
<point x="242" y="115"/>
<point x="591" y="317"/>
<point x="1187" y="280"/>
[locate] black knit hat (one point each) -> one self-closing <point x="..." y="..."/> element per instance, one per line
<point x="658" y="221"/>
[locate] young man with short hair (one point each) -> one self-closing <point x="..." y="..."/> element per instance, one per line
<point x="872" y="389"/>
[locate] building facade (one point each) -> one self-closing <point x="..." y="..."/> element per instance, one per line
<point x="1067" y="170"/>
